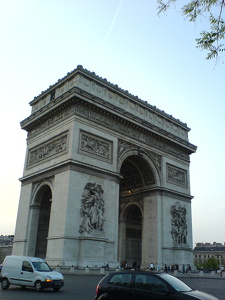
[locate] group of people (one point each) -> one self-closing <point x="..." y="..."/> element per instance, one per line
<point x="124" y="265"/>
<point x="105" y="266"/>
<point x="185" y="268"/>
<point x="156" y="267"/>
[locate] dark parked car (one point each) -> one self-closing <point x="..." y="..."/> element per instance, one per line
<point x="132" y="285"/>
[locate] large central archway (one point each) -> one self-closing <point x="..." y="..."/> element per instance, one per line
<point x="137" y="176"/>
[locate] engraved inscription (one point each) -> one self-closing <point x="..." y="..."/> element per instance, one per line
<point x="95" y="146"/>
<point x="54" y="146"/>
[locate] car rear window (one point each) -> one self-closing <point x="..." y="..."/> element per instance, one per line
<point x="121" y="280"/>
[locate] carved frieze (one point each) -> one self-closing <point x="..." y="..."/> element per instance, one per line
<point x="51" y="121"/>
<point x="178" y="224"/>
<point x="176" y="175"/>
<point x="95" y="146"/>
<point x="54" y="146"/>
<point x="126" y="129"/>
<point x="157" y="159"/>
<point x="112" y="123"/>
<point x="92" y="209"/>
<point x="89" y="82"/>
<point x="123" y="147"/>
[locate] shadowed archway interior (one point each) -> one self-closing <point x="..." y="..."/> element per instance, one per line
<point x="136" y="175"/>
<point x="44" y="197"/>
<point x="133" y="235"/>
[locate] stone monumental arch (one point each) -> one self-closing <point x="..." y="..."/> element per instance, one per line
<point x="106" y="178"/>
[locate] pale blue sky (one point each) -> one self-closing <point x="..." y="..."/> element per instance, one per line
<point x="127" y="43"/>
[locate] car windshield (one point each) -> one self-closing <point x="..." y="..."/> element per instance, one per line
<point x="179" y="285"/>
<point x="41" y="266"/>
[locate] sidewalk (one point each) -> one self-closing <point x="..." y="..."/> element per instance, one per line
<point x="102" y="272"/>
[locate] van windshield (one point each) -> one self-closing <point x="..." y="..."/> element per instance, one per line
<point x="41" y="266"/>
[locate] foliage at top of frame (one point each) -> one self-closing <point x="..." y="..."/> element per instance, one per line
<point x="210" y="40"/>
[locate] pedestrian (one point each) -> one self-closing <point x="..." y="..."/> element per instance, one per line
<point x="165" y="268"/>
<point x="151" y="266"/>
<point x="157" y="267"/>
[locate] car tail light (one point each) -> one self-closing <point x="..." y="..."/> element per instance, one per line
<point x="97" y="288"/>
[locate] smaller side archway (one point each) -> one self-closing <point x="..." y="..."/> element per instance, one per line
<point x="40" y="212"/>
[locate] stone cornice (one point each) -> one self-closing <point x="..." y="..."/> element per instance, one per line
<point x="105" y="82"/>
<point x="181" y="247"/>
<point x="89" y="87"/>
<point x="158" y="191"/>
<point x="69" y="165"/>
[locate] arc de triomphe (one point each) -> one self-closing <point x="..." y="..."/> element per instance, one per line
<point x="106" y="178"/>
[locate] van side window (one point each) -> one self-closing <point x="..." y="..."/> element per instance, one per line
<point x="26" y="266"/>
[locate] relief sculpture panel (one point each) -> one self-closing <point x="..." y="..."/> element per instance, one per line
<point x="179" y="224"/>
<point x="52" y="147"/>
<point x="95" y="146"/>
<point x="176" y="175"/>
<point x="92" y="208"/>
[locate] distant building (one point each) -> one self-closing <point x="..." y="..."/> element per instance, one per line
<point x="6" y="245"/>
<point x="204" y="251"/>
<point x="6" y="240"/>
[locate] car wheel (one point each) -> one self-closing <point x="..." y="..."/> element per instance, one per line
<point x="56" y="289"/>
<point x="38" y="286"/>
<point x="104" y="297"/>
<point x="5" y="284"/>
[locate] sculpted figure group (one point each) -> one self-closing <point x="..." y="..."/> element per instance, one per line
<point x="92" y="208"/>
<point x="179" y="224"/>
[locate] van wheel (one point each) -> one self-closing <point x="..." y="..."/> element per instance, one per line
<point x="5" y="284"/>
<point x="38" y="286"/>
<point x="56" y="289"/>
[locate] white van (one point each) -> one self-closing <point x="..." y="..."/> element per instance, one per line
<point x="30" y="272"/>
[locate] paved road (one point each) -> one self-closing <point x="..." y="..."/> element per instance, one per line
<point x="212" y="286"/>
<point x="77" y="287"/>
<point x="82" y="287"/>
